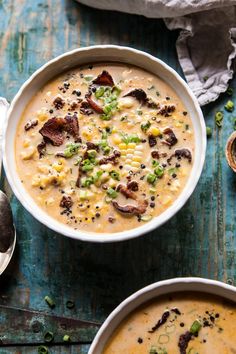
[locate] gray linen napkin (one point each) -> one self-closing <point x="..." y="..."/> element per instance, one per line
<point x="206" y="45"/>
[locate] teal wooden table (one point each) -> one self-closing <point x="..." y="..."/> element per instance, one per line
<point x="199" y="241"/>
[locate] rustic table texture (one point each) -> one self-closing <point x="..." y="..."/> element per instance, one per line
<point x="199" y="241"/>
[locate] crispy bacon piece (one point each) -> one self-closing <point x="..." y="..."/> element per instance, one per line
<point x="139" y="94"/>
<point x="166" y="110"/>
<point x="52" y="131"/>
<point x="72" y="126"/>
<point x="160" y="322"/>
<point x="41" y="149"/>
<point x="112" y="158"/>
<point x="59" y="102"/>
<point x="85" y="108"/>
<point x="171" y="140"/>
<point x="138" y="209"/>
<point x="181" y="153"/>
<point x="184" y="340"/>
<point x="104" y="79"/>
<point x="133" y="186"/>
<point x="31" y="124"/>
<point x="92" y="146"/>
<point x="152" y="140"/>
<point x="66" y="202"/>
<point x="155" y="154"/>
<point x="93" y="104"/>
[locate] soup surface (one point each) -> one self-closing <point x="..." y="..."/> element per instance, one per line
<point x="185" y="323"/>
<point x="105" y="148"/>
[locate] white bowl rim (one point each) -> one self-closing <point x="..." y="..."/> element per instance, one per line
<point x="159" y="284"/>
<point x="65" y="230"/>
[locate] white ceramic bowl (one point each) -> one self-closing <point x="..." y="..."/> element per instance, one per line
<point x="103" y="53"/>
<point x="151" y="292"/>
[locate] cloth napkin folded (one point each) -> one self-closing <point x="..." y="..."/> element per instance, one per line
<point x="206" y="45"/>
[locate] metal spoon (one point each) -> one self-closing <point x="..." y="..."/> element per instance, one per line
<point x="7" y="229"/>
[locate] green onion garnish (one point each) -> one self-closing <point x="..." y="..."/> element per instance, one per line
<point x="229" y="106"/>
<point x="151" y="178"/>
<point x="133" y="138"/>
<point x="219" y="118"/>
<point x="42" y="349"/>
<point x="230" y="91"/>
<point x="88" y="77"/>
<point x="48" y="337"/>
<point x="115" y="175"/>
<point x="145" y="126"/>
<point x="71" y="149"/>
<point x="159" y="171"/>
<point x="208" y="132"/>
<point x="112" y="193"/>
<point x="196" y="326"/>
<point x="66" y="338"/>
<point x="99" y="92"/>
<point x="49" y="301"/>
<point x="70" y="304"/>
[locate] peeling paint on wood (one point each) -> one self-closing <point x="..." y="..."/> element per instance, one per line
<point x="199" y="241"/>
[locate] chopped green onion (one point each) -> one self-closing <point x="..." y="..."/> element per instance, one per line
<point x="208" y="132"/>
<point x="88" y="77"/>
<point x="66" y="338"/>
<point x="145" y="126"/>
<point x="163" y="338"/>
<point x="97" y="176"/>
<point x="123" y="118"/>
<point x="92" y="154"/>
<point x="116" y="91"/>
<point x="186" y="126"/>
<point x="153" y="350"/>
<point x="48" y="337"/>
<point x="230" y="91"/>
<point x="151" y="178"/>
<point x="152" y="190"/>
<point x="99" y="92"/>
<point x="159" y="171"/>
<point x="133" y="138"/>
<point x="172" y="170"/>
<point x="229" y="106"/>
<point x="71" y="149"/>
<point x="157" y="93"/>
<point x="196" y="326"/>
<point x="115" y="175"/>
<point x="78" y="160"/>
<point x="112" y="193"/>
<point x="139" y="112"/>
<point x="49" y="301"/>
<point x="42" y="349"/>
<point x="70" y="304"/>
<point x="86" y="182"/>
<point x="219" y="118"/>
<point x="155" y="163"/>
<point x="87" y="168"/>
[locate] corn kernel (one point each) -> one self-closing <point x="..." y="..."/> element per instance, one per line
<point x="137" y="158"/>
<point x="57" y="167"/>
<point x="26" y="143"/>
<point x="27" y="155"/>
<point x="131" y="145"/>
<point x="138" y="153"/>
<point x="139" y="147"/>
<point x="122" y="146"/>
<point x="128" y="161"/>
<point x="135" y="164"/>
<point x="129" y="156"/>
<point x="130" y="151"/>
<point x="116" y="140"/>
<point x="126" y="102"/>
<point x="154" y="131"/>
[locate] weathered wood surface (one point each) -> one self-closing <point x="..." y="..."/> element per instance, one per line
<point x="199" y="241"/>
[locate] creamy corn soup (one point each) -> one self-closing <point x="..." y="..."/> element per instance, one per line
<point x="184" y="323"/>
<point x="105" y="147"/>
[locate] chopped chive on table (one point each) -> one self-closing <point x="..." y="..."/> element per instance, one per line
<point x="199" y="241"/>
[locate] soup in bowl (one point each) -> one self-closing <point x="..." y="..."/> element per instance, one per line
<point x="107" y="148"/>
<point x="179" y="316"/>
